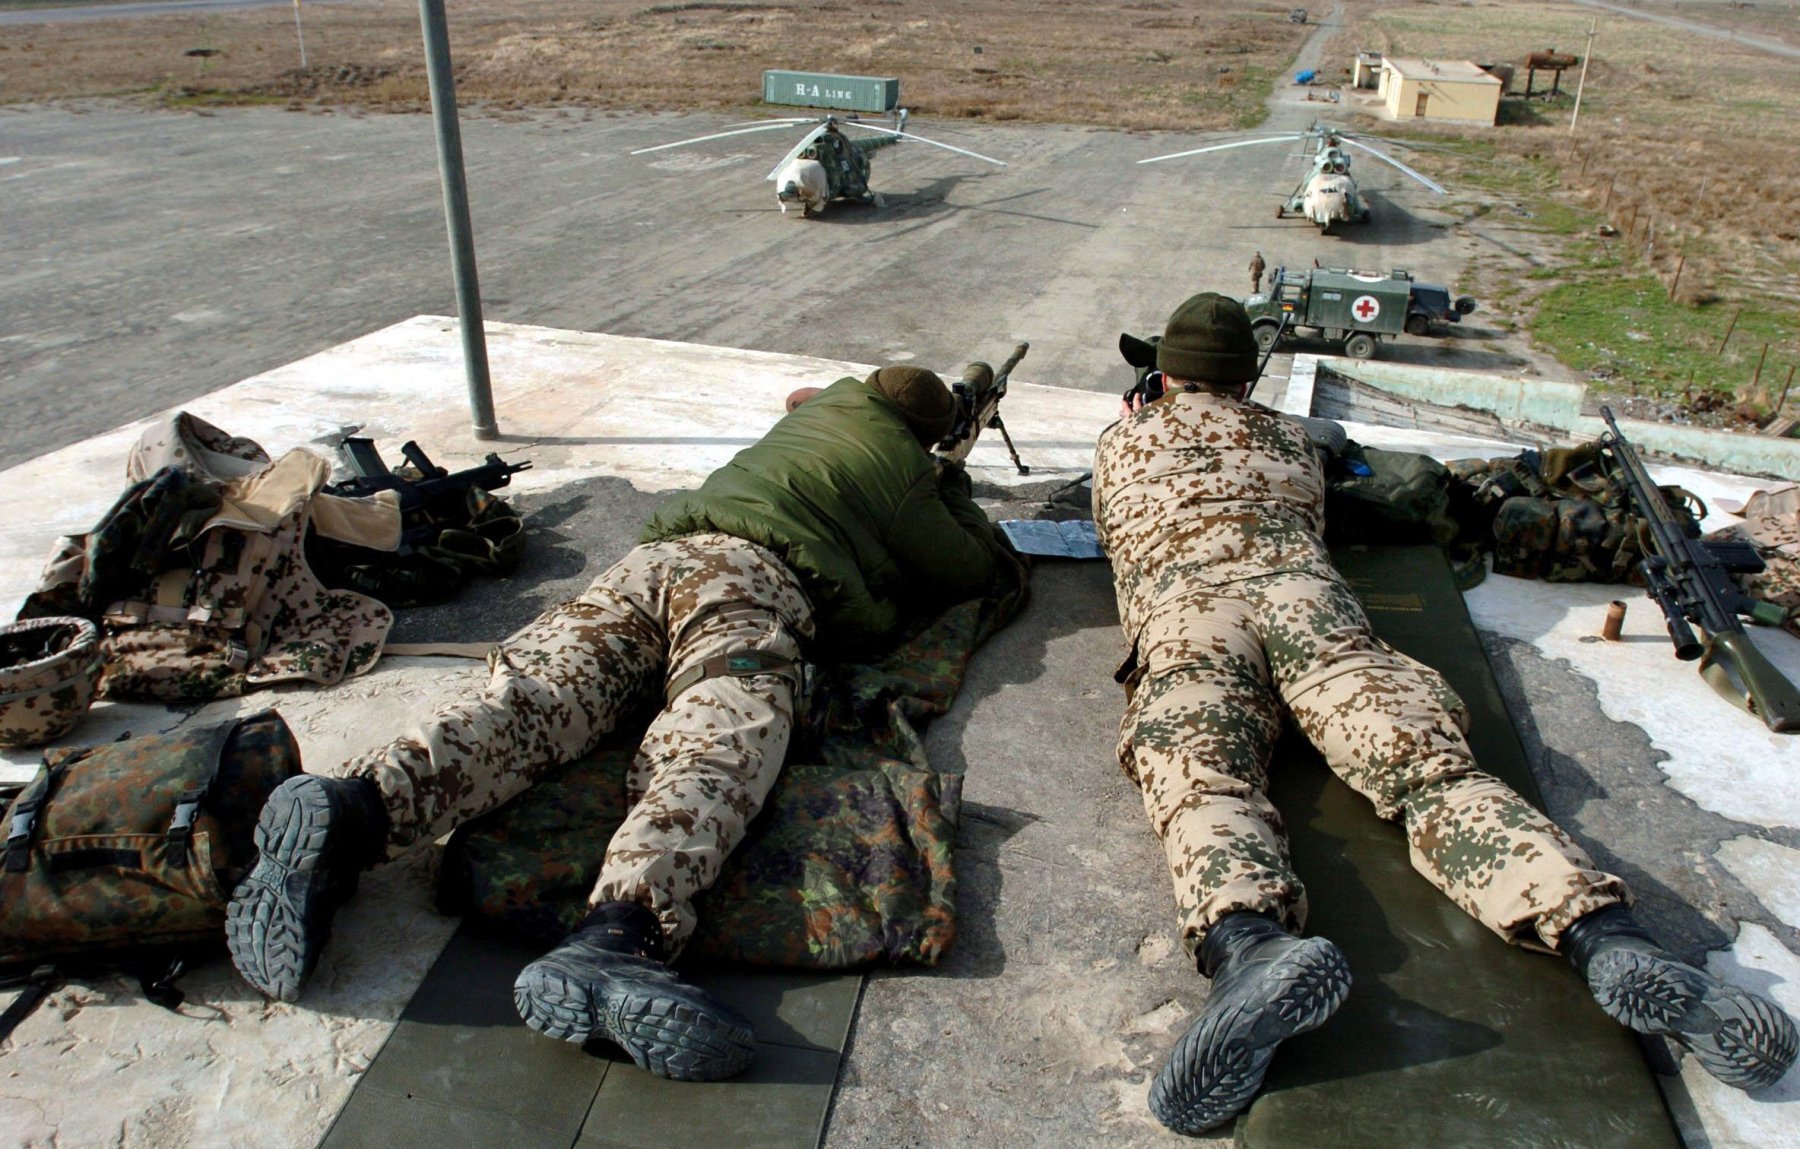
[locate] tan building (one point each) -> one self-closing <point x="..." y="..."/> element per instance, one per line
<point x="1454" y="90"/>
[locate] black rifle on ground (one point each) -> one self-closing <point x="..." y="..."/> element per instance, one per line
<point x="432" y="498"/>
<point x="1693" y="582"/>
<point x="978" y="396"/>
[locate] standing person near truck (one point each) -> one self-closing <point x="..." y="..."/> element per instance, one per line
<point x="1256" y="272"/>
<point x="1211" y="509"/>
<point x="837" y="523"/>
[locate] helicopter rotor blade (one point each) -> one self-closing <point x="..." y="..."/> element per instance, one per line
<point x="1233" y="144"/>
<point x="762" y="126"/>
<point x="796" y="150"/>
<point x="1387" y="159"/>
<point x="923" y="140"/>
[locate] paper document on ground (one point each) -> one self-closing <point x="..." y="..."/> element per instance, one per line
<point x="1073" y="539"/>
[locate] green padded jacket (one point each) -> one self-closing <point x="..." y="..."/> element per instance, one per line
<point x="842" y="491"/>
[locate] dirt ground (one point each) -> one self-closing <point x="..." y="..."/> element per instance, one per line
<point x="1122" y="63"/>
<point x="1684" y="144"/>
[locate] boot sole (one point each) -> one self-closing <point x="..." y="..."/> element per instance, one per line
<point x="1219" y="1064"/>
<point x="663" y="1033"/>
<point x="1740" y="1038"/>
<point x="278" y="919"/>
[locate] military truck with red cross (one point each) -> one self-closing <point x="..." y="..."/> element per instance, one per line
<point x="1354" y="309"/>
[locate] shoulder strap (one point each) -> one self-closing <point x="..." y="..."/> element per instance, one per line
<point x="187" y="806"/>
<point x="25" y="817"/>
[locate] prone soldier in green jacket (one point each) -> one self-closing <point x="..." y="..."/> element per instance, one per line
<point x="820" y="540"/>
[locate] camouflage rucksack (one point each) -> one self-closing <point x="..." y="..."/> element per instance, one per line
<point x="1560" y="517"/>
<point x="124" y="855"/>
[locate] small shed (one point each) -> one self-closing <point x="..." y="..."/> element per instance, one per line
<point x="1455" y="90"/>
<point x="1368" y="70"/>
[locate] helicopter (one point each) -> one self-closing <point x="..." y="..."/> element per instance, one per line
<point x="1327" y="195"/>
<point x="826" y="164"/>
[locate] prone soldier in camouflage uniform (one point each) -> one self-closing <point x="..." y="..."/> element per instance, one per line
<point x="823" y="538"/>
<point x="1211" y="508"/>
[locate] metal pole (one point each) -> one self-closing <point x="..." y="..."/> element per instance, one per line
<point x="300" y="34"/>
<point x="456" y="216"/>
<point x="1581" y="84"/>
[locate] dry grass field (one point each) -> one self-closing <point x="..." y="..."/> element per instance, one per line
<point x="1685" y="144"/>
<point x="1122" y="63"/>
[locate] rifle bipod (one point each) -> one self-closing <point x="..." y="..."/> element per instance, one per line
<point x="1010" y="449"/>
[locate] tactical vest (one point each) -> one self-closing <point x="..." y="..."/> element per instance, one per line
<point x="197" y="576"/>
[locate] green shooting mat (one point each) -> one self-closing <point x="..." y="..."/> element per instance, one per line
<point x="461" y="1071"/>
<point x="1450" y="1036"/>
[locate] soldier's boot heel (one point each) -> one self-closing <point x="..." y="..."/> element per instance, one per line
<point x="314" y="836"/>
<point x="1741" y="1038"/>
<point x="1268" y="986"/>
<point x="608" y="981"/>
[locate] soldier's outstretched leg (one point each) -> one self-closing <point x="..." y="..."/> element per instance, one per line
<point x="610" y="980"/>
<point x="1741" y="1038"/>
<point x="558" y="686"/>
<point x="1267" y="986"/>
<point x="1196" y="738"/>
<point x="709" y="759"/>
<point x="735" y="618"/>
<point x="314" y="838"/>
<point x="1382" y="724"/>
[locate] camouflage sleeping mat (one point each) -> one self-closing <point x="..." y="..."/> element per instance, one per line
<point x="848" y="865"/>
<point x="1451" y="1036"/>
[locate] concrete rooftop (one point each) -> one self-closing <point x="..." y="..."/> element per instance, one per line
<point x="1038" y="1029"/>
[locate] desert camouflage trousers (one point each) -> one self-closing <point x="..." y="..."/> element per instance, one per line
<point x="1216" y="671"/>
<point x="562" y="683"/>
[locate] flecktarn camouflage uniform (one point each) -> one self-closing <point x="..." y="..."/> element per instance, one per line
<point x="1211" y="511"/>
<point x="566" y="680"/>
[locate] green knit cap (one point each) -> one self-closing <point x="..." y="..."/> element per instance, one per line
<point x="924" y="402"/>
<point x="1208" y="340"/>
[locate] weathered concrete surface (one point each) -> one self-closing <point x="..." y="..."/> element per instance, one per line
<point x="1066" y="986"/>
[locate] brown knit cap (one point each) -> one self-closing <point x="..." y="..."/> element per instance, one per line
<point x="924" y="402"/>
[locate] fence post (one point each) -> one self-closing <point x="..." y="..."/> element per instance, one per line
<point x="1729" y="328"/>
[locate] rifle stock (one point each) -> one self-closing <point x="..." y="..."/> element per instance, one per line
<point x="1750" y="677"/>
<point x="1687" y="579"/>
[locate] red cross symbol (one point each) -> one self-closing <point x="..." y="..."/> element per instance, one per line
<point x="1365" y="309"/>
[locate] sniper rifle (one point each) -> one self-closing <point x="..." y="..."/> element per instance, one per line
<point x="1692" y="581"/>
<point x="978" y="396"/>
<point x="436" y="495"/>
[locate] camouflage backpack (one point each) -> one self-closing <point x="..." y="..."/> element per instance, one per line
<point x="1559" y="516"/>
<point x="123" y="856"/>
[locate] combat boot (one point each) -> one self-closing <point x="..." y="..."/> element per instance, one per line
<point x="1267" y="986"/>
<point x="314" y="838"/>
<point x="609" y="979"/>
<point x="1741" y="1038"/>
